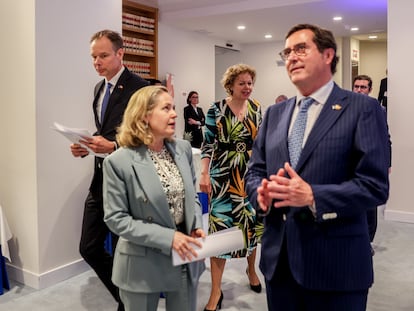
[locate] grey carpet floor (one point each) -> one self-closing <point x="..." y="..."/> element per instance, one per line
<point x="393" y="289"/>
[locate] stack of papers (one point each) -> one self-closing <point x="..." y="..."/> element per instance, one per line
<point x="75" y="135"/>
<point x="215" y="244"/>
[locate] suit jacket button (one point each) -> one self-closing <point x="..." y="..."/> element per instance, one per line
<point x="284" y="217"/>
<point x="149" y="218"/>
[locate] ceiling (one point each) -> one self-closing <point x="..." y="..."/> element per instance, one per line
<point x="220" y="18"/>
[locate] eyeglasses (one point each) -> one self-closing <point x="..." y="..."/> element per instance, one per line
<point x="362" y="87"/>
<point x="300" y="49"/>
<point x="194" y="97"/>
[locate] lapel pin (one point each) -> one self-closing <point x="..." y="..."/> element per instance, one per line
<point x="336" y="107"/>
<point x="120" y="86"/>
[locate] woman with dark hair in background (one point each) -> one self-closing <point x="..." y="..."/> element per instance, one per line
<point x="194" y="120"/>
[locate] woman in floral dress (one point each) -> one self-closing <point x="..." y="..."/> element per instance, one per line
<point x="231" y="126"/>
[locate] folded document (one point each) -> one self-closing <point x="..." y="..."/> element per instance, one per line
<point x="215" y="244"/>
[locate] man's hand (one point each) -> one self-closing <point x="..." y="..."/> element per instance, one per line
<point x="293" y="191"/>
<point x="98" y="144"/>
<point x="78" y="150"/>
<point x="286" y="191"/>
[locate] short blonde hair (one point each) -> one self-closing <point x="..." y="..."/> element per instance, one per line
<point x="233" y="72"/>
<point x="134" y="130"/>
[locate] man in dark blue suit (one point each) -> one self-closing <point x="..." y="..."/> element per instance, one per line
<point x="107" y="52"/>
<point x="315" y="248"/>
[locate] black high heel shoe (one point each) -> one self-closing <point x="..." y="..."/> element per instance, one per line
<point x="256" y="288"/>
<point x="218" y="307"/>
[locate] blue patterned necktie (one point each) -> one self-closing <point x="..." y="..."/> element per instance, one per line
<point x="295" y="140"/>
<point x="105" y="100"/>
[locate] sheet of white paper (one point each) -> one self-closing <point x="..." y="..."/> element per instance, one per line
<point x="75" y="135"/>
<point x="215" y="244"/>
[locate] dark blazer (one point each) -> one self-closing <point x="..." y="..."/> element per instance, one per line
<point x="127" y="84"/>
<point x="382" y="94"/>
<point x="195" y="130"/>
<point x="345" y="161"/>
<point x="137" y="210"/>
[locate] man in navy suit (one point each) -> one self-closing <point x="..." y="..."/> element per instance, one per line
<point x="107" y="52"/>
<point x="315" y="248"/>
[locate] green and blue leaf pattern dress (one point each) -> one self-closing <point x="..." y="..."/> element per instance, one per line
<point x="229" y="204"/>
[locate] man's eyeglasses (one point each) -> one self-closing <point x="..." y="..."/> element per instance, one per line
<point x="362" y="87"/>
<point x="300" y="49"/>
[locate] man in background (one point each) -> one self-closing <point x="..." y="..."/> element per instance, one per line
<point x="111" y="96"/>
<point x="280" y="98"/>
<point x="315" y="188"/>
<point x="363" y="85"/>
<point x="382" y="94"/>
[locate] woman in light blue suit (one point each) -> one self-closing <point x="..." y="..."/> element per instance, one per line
<point x="150" y="202"/>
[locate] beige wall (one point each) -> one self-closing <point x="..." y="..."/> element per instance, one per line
<point x="373" y="62"/>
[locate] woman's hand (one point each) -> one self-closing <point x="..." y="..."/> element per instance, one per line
<point x="205" y="183"/>
<point x="183" y="244"/>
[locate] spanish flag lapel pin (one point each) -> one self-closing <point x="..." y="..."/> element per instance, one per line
<point x="336" y="107"/>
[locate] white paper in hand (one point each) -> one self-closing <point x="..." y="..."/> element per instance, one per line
<point x="215" y="244"/>
<point x="75" y="135"/>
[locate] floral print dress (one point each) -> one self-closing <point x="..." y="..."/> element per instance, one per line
<point x="228" y="143"/>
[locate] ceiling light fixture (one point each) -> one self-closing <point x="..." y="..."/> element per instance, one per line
<point x="337" y="18"/>
<point x="268" y="36"/>
<point x="373" y="37"/>
<point x="354" y="29"/>
<point x="241" y="27"/>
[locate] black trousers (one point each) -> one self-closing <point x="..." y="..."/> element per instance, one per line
<point x="283" y="293"/>
<point x="92" y="243"/>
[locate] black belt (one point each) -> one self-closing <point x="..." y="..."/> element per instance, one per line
<point x="238" y="146"/>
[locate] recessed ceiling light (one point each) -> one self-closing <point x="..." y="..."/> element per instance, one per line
<point x="373" y="37"/>
<point x="268" y="36"/>
<point x="241" y="27"/>
<point x="354" y="29"/>
<point x="337" y="18"/>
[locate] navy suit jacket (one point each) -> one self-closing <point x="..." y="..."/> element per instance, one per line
<point x="345" y="160"/>
<point x="128" y="83"/>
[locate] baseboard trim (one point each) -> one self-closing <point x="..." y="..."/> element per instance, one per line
<point x="400" y="216"/>
<point x="49" y="278"/>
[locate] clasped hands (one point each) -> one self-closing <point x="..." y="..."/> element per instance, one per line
<point x="286" y="187"/>
<point x="97" y="144"/>
<point x="182" y="243"/>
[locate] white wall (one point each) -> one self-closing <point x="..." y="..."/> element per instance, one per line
<point x="190" y="58"/>
<point x="400" y="110"/>
<point x="49" y="77"/>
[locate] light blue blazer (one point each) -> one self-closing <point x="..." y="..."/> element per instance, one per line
<point x="136" y="209"/>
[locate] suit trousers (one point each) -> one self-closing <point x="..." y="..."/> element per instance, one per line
<point x="92" y="243"/>
<point x="285" y="294"/>
<point x="184" y="299"/>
